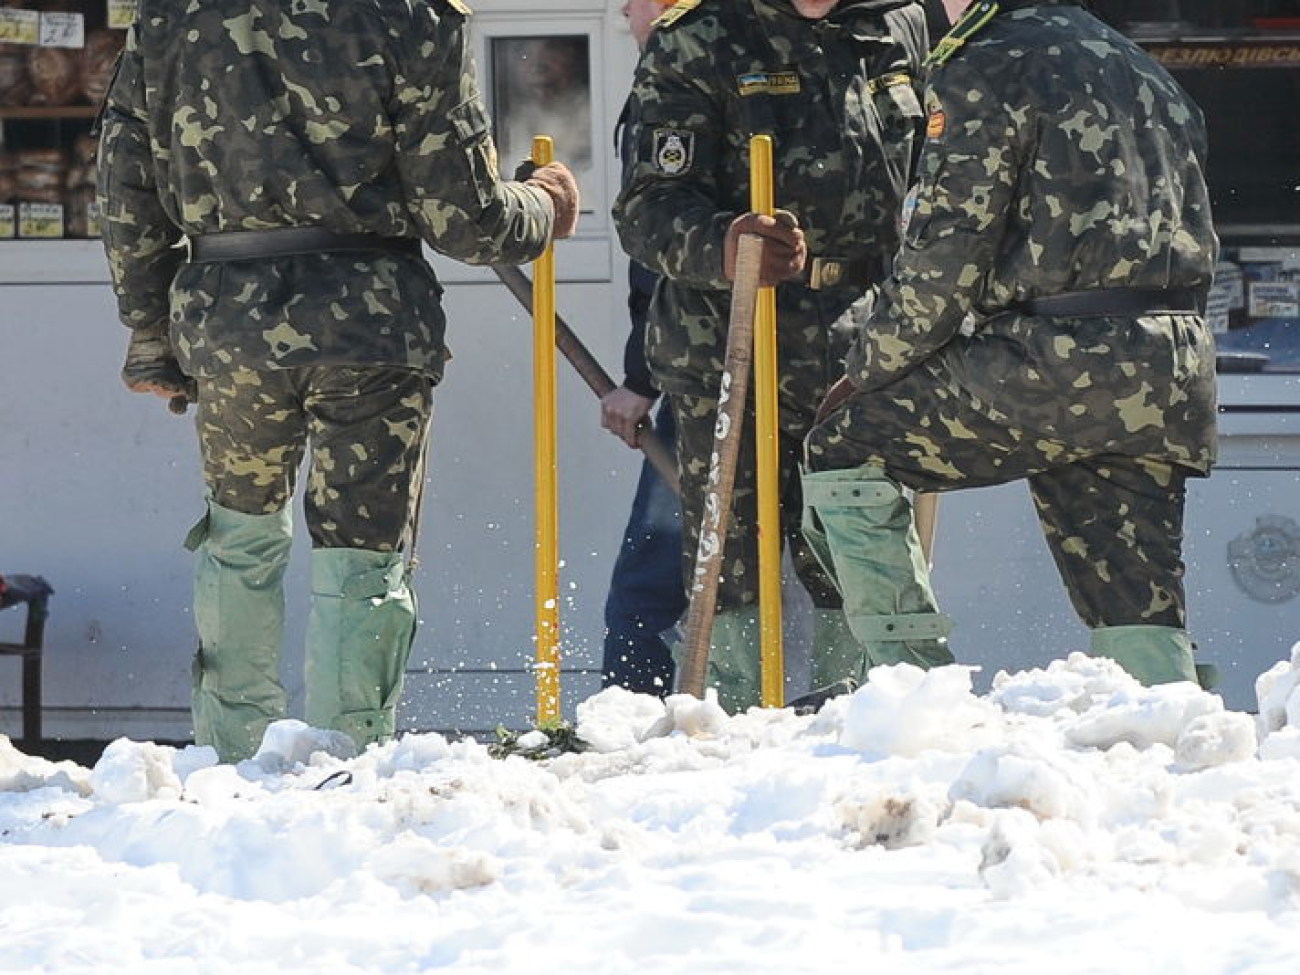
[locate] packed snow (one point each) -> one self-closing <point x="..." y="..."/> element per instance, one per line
<point x="1069" y="820"/>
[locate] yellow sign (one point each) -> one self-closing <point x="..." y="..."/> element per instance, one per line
<point x="40" y="221"/>
<point x="20" y="26"/>
<point x="8" y="225"/>
<point x="121" y="14"/>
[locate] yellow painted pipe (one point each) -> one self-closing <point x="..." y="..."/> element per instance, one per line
<point x="767" y="434"/>
<point x="544" y="472"/>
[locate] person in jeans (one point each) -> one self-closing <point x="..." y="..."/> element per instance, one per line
<point x="647" y="594"/>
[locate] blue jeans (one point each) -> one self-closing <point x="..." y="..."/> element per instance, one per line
<point x="647" y="593"/>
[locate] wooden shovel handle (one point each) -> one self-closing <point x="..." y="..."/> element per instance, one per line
<point x="722" y="466"/>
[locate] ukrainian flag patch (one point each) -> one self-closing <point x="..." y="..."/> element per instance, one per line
<point x="768" y="83"/>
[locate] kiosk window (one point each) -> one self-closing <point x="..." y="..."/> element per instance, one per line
<point x="541" y="85"/>
<point x="1240" y="62"/>
<point x="1254" y="164"/>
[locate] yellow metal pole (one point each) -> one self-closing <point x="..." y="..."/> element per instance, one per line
<point x="544" y="472"/>
<point x="767" y="433"/>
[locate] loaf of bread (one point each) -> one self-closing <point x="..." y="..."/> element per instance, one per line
<point x="55" y="74"/>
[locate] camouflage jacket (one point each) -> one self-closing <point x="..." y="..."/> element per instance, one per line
<point x="840" y="98"/>
<point x="1059" y="157"/>
<point x="353" y="115"/>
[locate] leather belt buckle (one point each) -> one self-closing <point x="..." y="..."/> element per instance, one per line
<point x="826" y="272"/>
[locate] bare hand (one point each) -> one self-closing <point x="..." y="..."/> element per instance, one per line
<point x="784" y="248"/>
<point x="163" y="389"/>
<point x="623" y="413"/>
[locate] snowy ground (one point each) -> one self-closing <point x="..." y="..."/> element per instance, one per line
<point x="1067" y="821"/>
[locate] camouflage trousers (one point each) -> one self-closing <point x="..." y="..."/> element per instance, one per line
<point x="1113" y="522"/>
<point x="738" y="587"/>
<point x="363" y="426"/>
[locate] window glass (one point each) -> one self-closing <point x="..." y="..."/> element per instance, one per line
<point x="1240" y="61"/>
<point x="541" y="85"/>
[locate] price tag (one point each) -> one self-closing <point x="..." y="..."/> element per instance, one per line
<point x="40" y="221"/>
<point x="1274" y="299"/>
<point x="62" y="30"/>
<point x="20" y="26"/>
<point x="121" y="14"/>
<point x="8" y="222"/>
<point x="1218" y="307"/>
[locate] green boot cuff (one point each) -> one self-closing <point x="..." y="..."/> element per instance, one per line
<point x="1152" y="654"/>
<point x="920" y="639"/>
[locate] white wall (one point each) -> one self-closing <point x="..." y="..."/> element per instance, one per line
<point x="98" y="486"/>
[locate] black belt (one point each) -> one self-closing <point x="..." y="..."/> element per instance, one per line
<point x="824" y="273"/>
<point x="1112" y="301"/>
<point x="251" y="245"/>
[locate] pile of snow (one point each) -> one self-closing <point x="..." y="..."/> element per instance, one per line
<point x="1068" y="821"/>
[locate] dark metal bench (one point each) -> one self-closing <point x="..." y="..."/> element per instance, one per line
<point x="34" y="592"/>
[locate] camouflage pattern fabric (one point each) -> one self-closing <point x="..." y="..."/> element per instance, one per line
<point x="840" y="97"/>
<point x="1059" y="157"/>
<point x="739" y="585"/>
<point x="366" y="428"/>
<point x="351" y="115"/>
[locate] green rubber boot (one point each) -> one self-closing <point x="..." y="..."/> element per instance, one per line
<point x="860" y="527"/>
<point x="1152" y="654"/>
<point x="734" y="667"/>
<point x="839" y="662"/>
<point x="359" y="637"/>
<point x="837" y="656"/>
<point x="239" y="612"/>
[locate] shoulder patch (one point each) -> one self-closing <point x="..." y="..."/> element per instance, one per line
<point x="674" y="151"/>
<point x="974" y="20"/>
<point x="675" y="13"/>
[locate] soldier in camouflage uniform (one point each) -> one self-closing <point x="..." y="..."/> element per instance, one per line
<point x="1041" y="322"/>
<point x="303" y="150"/>
<point x="836" y="85"/>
